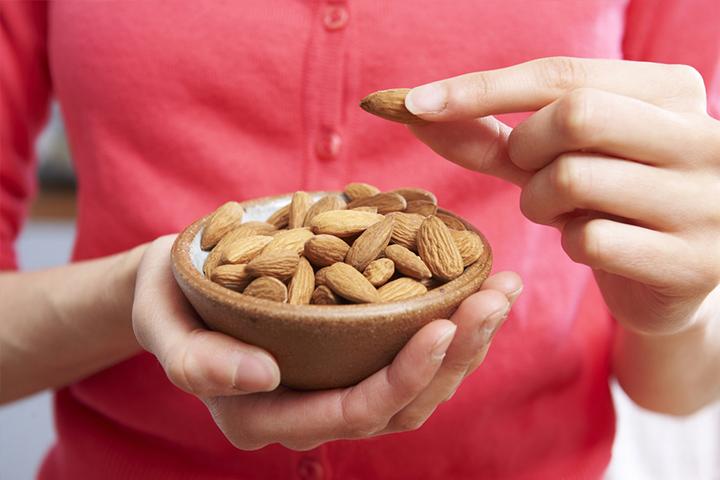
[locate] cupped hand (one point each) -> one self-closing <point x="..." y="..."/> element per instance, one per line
<point x="620" y="156"/>
<point x="239" y="382"/>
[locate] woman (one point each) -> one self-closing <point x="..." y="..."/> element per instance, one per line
<point x="174" y="108"/>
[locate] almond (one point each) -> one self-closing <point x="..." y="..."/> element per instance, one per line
<point x="321" y="276"/>
<point x="366" y="209"/>
<point x="407" y="263"/>
<point x="360" y="190"/>
<point x="347" y="282"/>
<point x="299" y="206"/>
<point x="390" y="105"/>
<point x="406" y="229"/>
<point x="413" y="194"/>
<point x="421" y="207"/>
<point x="469" y="245"/>
<point x="245" y="249"/>
<point x="225" y="218"/>
<point x="451" y="221"/>
<point x="268" y="288"/>
<point x="343" y="223"/>
<point x="302" y="284"/>
<point x="385" y="202"/>
<point x="438" y="250"/>
<point x="247" y="229"/>
<point x="325" y="204"/>
<point x="280" y="264"/>
<point x="281" y="217"/>
<point x="231" y="276"/>
<point x="379" y="271"/>
<point x="401" y="289"/>
<point x="324" y="296"/>
<point x="292" y="240"/>
<point x="370" y="244"/>
<point x="324" y="250"/>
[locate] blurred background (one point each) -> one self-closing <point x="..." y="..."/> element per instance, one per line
<point x="648" y="446"/>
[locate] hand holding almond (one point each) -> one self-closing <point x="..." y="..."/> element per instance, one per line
<point x="624" y="160"/>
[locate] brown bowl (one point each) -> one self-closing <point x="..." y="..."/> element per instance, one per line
<point x="316" y="346"/>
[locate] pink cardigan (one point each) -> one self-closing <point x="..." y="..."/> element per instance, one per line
<point x="174" y="107"/>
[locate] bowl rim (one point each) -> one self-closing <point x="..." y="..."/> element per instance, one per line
<point x="459" y="288"/>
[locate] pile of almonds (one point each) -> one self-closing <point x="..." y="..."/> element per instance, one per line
<point x="378" y="247"/>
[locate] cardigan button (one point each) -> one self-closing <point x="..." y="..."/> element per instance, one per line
<point x="335" y="17"/>
<point x="328" y="144"/>
<point x="310" y="469"/>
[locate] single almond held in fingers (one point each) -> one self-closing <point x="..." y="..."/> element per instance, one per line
<point x="324" y="296"/>
<point x="231" y="276"/>
<point x="268" y="288"/>
<point x="379" y="271"/>
<point x="299" y="206"/>
<point x="370" y="244"/>
<point x="280" y="264"/>
<point x="401" y="289"/>
<point x="225" y="218"/>
<point x="292" y="240"/>
<point x="438" y="249"/>
<point x="343" y="223"/>
<point x="385" y="202"/>
<point x="302" y="284"/>
<point x="421" y="207"/>
<point x="406" y="228"/>
<point x="347" y="282"/>
<point x="325" y="204"/>
<point x="245" y="249"/>
<point x="324" y="250"/>
<point x="359" y="190"/>
<point x="407" y="263"/>
<point x="390" y="105"/>
<point x="469" y="245"/>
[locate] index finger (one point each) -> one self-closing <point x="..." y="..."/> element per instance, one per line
<point x="532" y="85"/>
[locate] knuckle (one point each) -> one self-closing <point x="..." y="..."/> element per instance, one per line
<point x="481" y="88"/>
<point x="409" y="422"/>
<point x="587" y="243"/>
<point x="572" y="116"/>
<point x="357" y="423"/>
<point x="562" y="73"/>
<point x="568" y="179"/>
<point x="691" y="78"/>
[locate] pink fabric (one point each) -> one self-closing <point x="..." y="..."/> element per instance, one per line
<point x="174" y="107"/>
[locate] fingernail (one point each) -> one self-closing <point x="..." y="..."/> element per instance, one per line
<point x="442" y="343"/>
<point x="430" y="98"/>
<point x="256" y="372"/>
<point x="514" y="295"/>
<point x="489" y="326"/>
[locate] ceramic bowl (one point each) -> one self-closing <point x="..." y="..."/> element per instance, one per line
<point x="316" y="346"/>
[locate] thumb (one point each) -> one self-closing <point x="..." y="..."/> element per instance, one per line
<point x="198" y="361"/>
<point x="479" y="145"/>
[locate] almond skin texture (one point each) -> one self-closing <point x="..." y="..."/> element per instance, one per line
<point x="406" y="229"/>
<point x="407" y="263"/>
<point x="325" y="204"/>
<point x="268" y="288"/>
<point x="390" y="105"/>
<point x="225" y="218"/>
<point x="438" y="249"/>
<point x="366" y="209"/>
<point x="359" y="190"/>
<point x="385" y="203"/>
<point x="411" y="194"/>
<point x="324" y="296"/>
<point x="281" y="217"/>
<point x="450" y="221"/>
<point x="247" y="229"/>
<point x="299" y="206"/>
<point x="245" y="249"/>
<point x="302" y="284"/>
<point x="370" y="244"/>
<point x="379" y="271"/>
<point x="280" y="264"/>
<point x="347" y="282"/>
<point x="231" y="276"/>
<point x="291" y="240"/>
<point x="401" y="289"/>
<point x="324" y="250"/>
<point x="343" y="223"/>
<point x="469" y="245"/>
<point x="421" y="207"/>
<point x="321" y="276"/>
